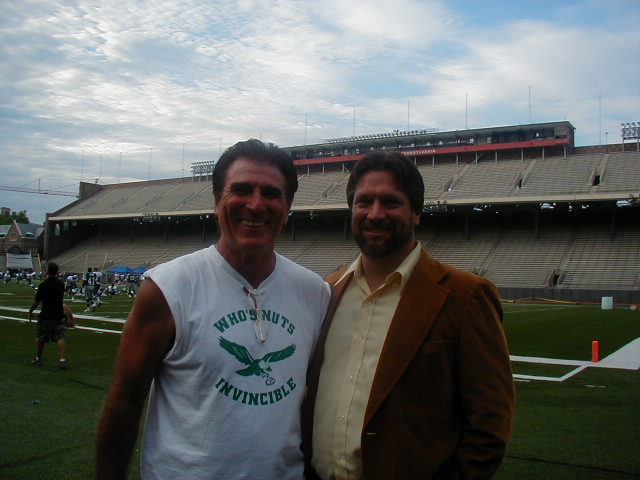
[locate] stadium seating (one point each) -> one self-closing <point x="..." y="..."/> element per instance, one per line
<point x="620" y="170"/>
<point x="600" y="259"/>
<point x="449" y="245"/>
<point x="557" y="175"/>
<point x="315" y="187"/>
<point x="524" y="259"/>
<point x="436" y="176"/>
<point x="580" y="253"/>
<point x="478" y="178"/>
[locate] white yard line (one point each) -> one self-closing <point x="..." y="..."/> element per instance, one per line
<point x="514" y="310"/>
<point x="77" y="327"/>
<point x="550" y="361"/>
<point x="625" y="358"/>
<point x="566" y="376"/>
<point x="75" y="315"/>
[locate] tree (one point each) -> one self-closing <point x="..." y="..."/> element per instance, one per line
<point x="20" y="217"/>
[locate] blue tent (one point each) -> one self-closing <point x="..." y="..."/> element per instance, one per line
<point x="120" y="269"/>
<point x="139" y="270"/>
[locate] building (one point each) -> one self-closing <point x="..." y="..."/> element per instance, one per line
<point x="521" y="205"/>
<point x="20" y="246"/>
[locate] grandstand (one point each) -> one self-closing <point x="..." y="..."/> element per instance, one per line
<point x="520" y="205"/>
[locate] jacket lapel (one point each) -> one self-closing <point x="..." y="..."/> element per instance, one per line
<point x="420" y="303"/>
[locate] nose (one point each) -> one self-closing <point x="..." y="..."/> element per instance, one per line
<point x="255" y="202"/>
<point x="376" y="211"/>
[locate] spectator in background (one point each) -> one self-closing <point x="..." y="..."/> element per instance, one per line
<point x="132" y="284"/>
<point x="98" y="275"/>
<point x="111" y="290"/>
<point x="53" y="316"/>
<point x="70" y="284"/>
<point x="89" y="282"/>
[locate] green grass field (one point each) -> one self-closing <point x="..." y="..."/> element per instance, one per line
<point x="586" y="427"/>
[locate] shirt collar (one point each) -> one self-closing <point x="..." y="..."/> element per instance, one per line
<point x="404" y="270"/>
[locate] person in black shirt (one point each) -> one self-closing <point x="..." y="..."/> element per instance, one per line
<point x="53" y="315"/>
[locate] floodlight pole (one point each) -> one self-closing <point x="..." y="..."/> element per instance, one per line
<point x="408" y="114"/>
<point x="599" y="119"/>
<point x="466" y="111"/>
<point x="530" y="120"/>
<point x="150" y="156"/>
<point x="354" y="121"/>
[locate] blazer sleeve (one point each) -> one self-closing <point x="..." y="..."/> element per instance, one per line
<point x="485" y="383"/>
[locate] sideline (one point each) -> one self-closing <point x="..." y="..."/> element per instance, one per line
<point x="77" y="327"/>
<point x="75" y="315"/>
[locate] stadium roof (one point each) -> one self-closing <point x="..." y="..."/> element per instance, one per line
<point x="520" y="164"/>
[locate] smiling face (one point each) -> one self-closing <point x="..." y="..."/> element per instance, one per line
<point x="382" y="219"/>
<point x="252" y="209"/>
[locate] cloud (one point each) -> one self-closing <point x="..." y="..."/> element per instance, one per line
<point x="136" y="84"/>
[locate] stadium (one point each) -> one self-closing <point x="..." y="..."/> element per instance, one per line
<point x="520" y="205"/>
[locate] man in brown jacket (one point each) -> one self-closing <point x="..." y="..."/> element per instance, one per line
<point x="412" y="378"/>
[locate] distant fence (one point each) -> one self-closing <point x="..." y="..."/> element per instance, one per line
<point x="570" y="294"/>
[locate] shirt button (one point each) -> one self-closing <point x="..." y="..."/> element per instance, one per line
<point x="358" y="339"/>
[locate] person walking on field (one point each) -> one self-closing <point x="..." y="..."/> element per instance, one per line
<point x="53" y="317"/>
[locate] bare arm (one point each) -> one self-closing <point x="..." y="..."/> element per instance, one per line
<point x="69" y="314"/>
<point x="34" y="305"/>
<point x="147" y="336"/>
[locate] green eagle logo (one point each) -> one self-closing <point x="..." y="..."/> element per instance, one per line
<point x="259" y="367"/>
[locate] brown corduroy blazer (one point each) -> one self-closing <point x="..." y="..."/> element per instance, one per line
<point x="442" y="401"/>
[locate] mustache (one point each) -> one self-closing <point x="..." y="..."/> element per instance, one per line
<point x="376" y="225"/>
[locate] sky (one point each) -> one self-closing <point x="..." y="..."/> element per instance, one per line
<point x="114" y="91"/>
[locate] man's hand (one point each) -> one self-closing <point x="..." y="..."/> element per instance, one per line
<point x="34" y="305"/>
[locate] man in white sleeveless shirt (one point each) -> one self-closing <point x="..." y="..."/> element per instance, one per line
<point x="222" y="339"/>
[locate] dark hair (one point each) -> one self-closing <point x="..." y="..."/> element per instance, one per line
<point x="256" y="150"/>
<point x="405" y="172"/>
<point x="52" y="269"/>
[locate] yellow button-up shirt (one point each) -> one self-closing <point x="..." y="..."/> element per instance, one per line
<point x="351" y="354"/>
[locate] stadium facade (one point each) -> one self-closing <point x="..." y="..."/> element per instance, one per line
<point x="521" y="205"/>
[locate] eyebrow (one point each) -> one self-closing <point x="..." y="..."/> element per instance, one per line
<point x="385" y="197"/>
<point x="272" y="189"/>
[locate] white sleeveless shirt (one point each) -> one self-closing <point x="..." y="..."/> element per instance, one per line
<point x="223" y="405"/>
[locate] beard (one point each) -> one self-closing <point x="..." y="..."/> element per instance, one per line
<point x="396" y="241"/>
